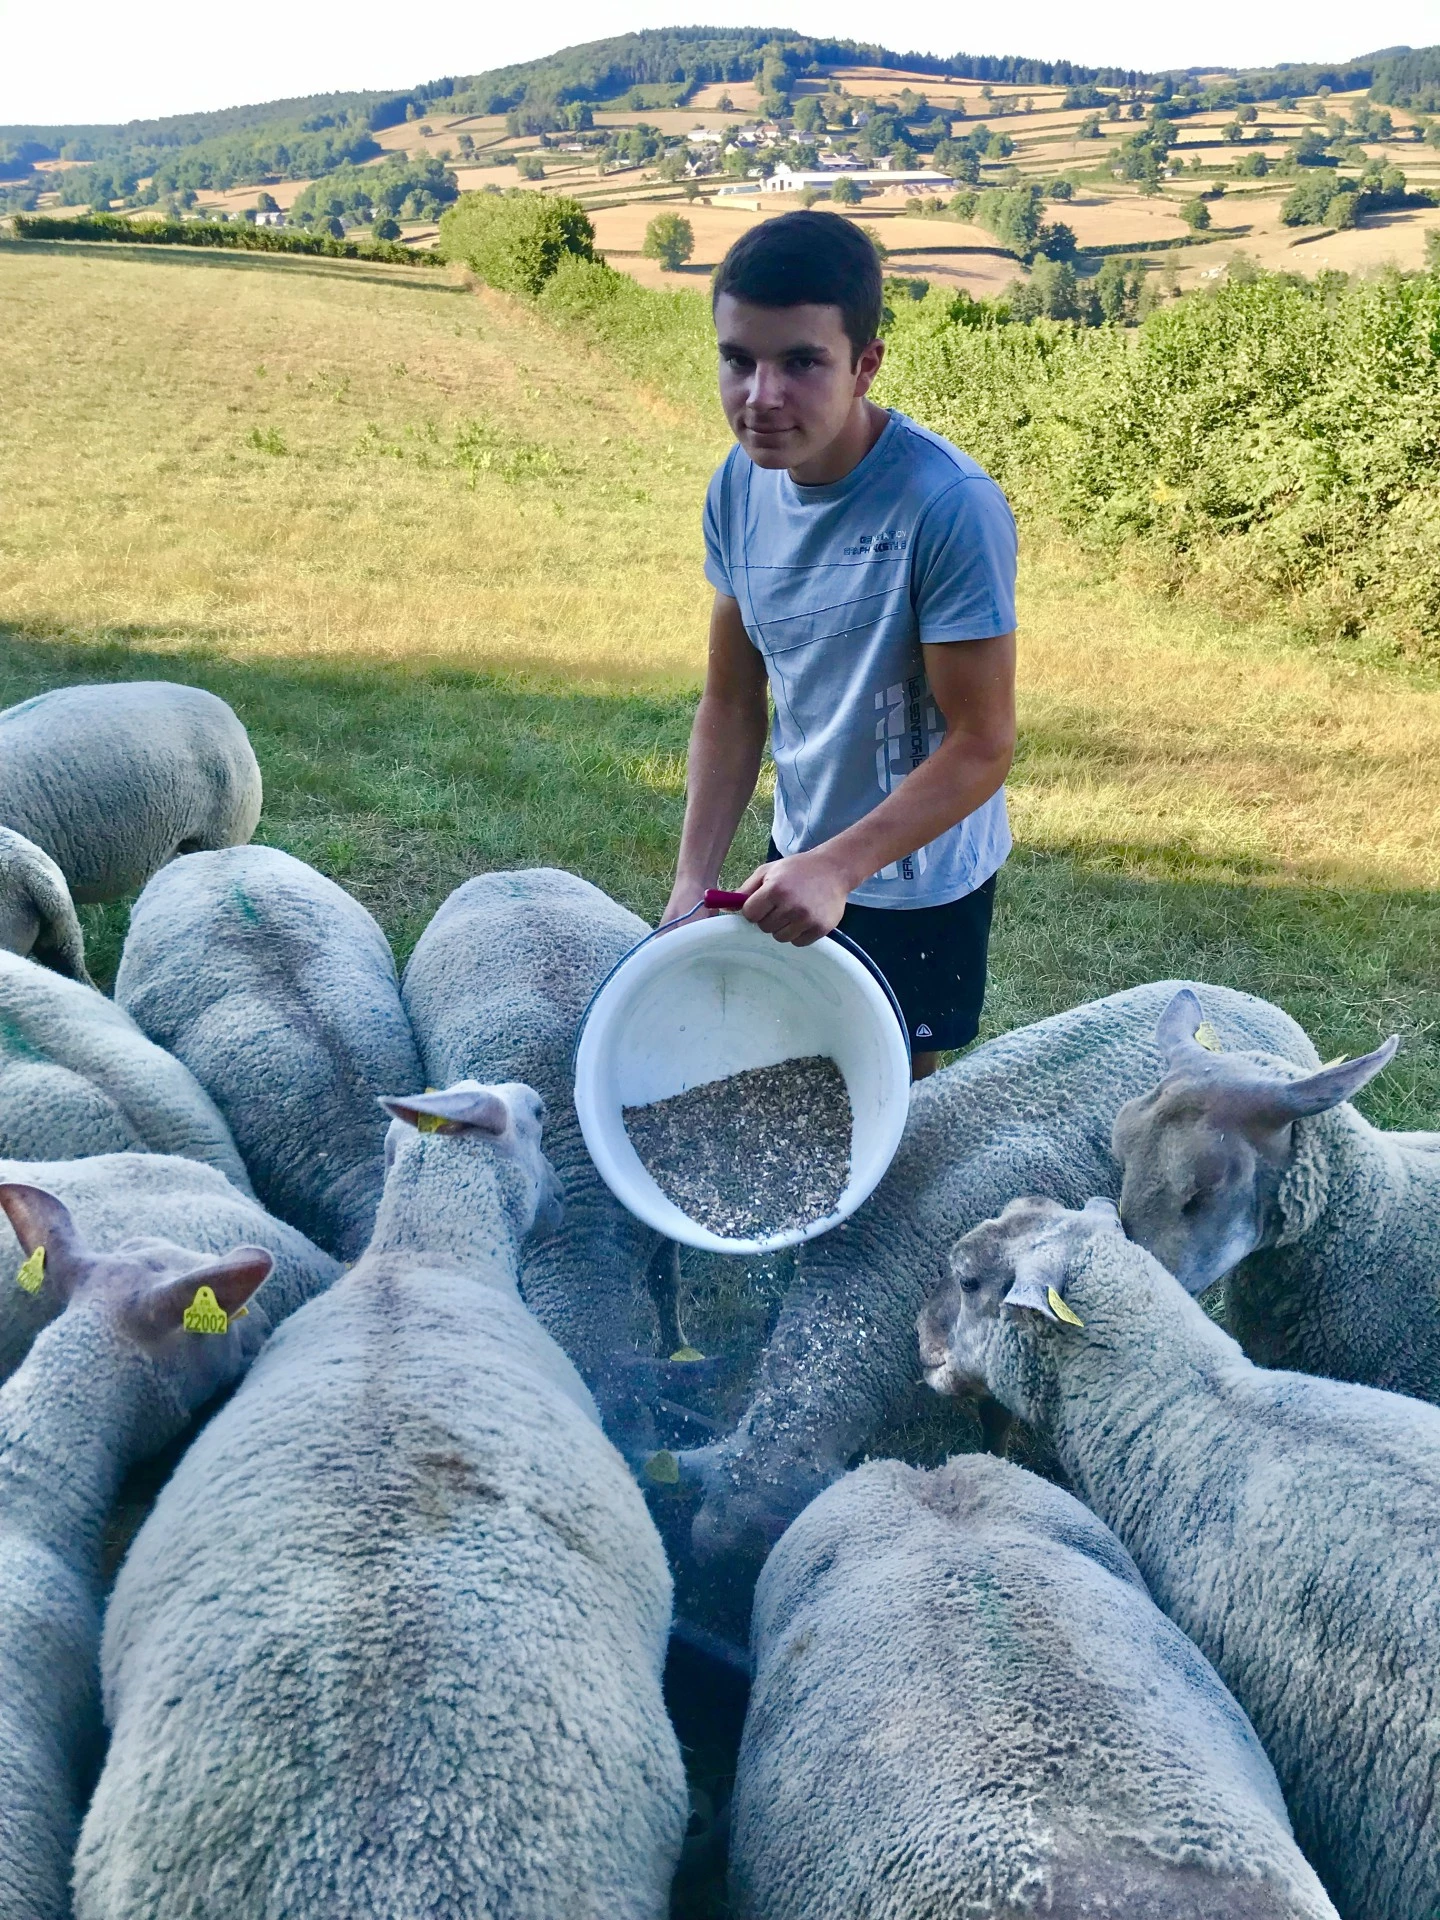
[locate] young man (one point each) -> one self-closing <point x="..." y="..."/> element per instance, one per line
<point x="865" y="570"/>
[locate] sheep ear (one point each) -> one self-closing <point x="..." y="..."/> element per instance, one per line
<point x="1287" y="1100"/>
<point x="55" y="1255"/>
<point x="230" y="1283"/>
<point x="456" y="1110"/>
<point x="1176" y="1029"/>
<point x="1031" y="1291"/>
<point x="1103" y="1213"/>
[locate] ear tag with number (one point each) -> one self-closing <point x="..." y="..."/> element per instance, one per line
<point x="429" y="1122"/>
<point x="1061" y="1311"/>
<point x="687" y="1354"/>
<point x="1207" y="1037"/>
<point x="32" y="1274"/>
<point x="205" y="1314"/>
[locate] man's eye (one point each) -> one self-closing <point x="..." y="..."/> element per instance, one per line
<point x="803" y="362"/>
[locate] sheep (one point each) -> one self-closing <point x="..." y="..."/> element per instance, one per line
<point x="113" y="1380"/>
<point x="965" y="1702"/>
<point x="278" y="991"/>
<point x="37" y="915"/>
<point x="496" y="988"/>
<point x="1289" y="1525"/>
<point x="1237" y="1155"/>
<point x="1027" y="1112"/>
<point x="114" y="780"/>
<point x="78" y="1077"/>
<point x="391" y="1640"/>
<point x="114" y="1196"/>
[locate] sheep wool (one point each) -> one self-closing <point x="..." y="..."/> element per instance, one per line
<point x="495" y="989"/>
<point x="115" y="1196"/>
<point x="77" y="1076"/>
<point x="1289" y="1525"/>
<point x="1029" y="1112"/>
<point x="112" y="781"/>
<point x="391" y="1640"/>
<point x="37" y="915"/>
<point x="1237" y="1155"/>
<point x="965" y="1702"/>
<point x="108" y="1384"/>
<point x="278" y="991"/>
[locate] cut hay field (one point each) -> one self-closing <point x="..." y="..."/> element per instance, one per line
<point x="445" y="562"/>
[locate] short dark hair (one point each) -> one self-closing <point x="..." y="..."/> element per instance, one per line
<point x="808" y="259"/>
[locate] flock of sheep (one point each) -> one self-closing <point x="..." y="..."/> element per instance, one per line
<point x="390" y="1639"/>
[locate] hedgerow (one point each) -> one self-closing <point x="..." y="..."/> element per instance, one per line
<point x="217" y="233"/>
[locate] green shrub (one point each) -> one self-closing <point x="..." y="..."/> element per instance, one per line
<point x="670" y="239"/>
<point x="216" y="233"/>
<point x="1196" y="215"/>
<point x="515" y="241"/>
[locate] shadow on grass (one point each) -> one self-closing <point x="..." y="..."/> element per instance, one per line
<point x="426" y="279"/>
<point x="401" y="780"/>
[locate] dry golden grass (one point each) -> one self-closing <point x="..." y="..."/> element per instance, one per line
<point x="146" y="499"/>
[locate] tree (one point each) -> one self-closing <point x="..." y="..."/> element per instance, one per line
<point x="690" y="190"/>
<point x="516" y="240"/>
<point x="1196" y="215"/>
<point x="1056" y="241"/>
<point x="1342" y="210"/>
<point x="670" y="239"/>
<point x="266" y="203"/>
<point x="530" y="166"/>
<point x="845" y="193"/>
<point x="387" y="229"/>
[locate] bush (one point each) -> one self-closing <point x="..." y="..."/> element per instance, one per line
<point x="670" y="239"/>
<point x="1196" y="215"/>
<point x="1307" y="203"/>
<point x="530" y="166"/>
<point x="516" y="240"/>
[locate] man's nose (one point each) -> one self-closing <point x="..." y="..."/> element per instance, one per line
<point x="767" y="387"/>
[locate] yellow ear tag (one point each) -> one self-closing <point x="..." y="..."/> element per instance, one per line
<point x="1207" y="1037"/>
<point x="663" y="1468"/>
<point x="429" y="1122"/>
<point x="1061" y="1311"/>
<point x="687" y="1353"/>
<point x="1338" y="1061"/>
<point x="205" y="1314"/>
<point x="32" y="1275"/>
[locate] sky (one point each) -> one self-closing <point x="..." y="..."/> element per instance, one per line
<point x="93" y="62"/>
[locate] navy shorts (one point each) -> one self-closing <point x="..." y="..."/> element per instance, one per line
<point x="934" y="958"/>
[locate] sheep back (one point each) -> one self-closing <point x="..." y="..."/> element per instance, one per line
<point x="278" y="991"/>
<point x="495" y="989"/>
<point x="77" y="1077"/>
<point x="37" y="915"/>
<point x="114" y="780"/>
<point x="391" y="1641"/>
<point x="116" y="1197"/>
<point x="965" y="1702"/>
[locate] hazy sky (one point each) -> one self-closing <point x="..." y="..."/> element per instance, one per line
<point x="87" y="61"/>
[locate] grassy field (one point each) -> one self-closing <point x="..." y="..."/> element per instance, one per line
<point x="445" y="563"/>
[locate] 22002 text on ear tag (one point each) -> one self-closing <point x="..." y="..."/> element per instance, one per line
<point x="205" y="1314"/>
<point x="32" y="1274"/>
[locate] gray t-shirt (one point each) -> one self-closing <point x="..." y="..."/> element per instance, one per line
<point x="838" y="586"/>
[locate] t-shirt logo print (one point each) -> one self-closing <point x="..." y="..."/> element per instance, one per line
<point x="907" y="732"/>
<point x="868" y="545"/>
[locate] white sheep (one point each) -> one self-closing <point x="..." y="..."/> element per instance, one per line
<point x="391" y="1640"/>
<point x="278" y="991"/>
<point x="965" y="1702"/>
<point x="112" y="1381"/>
<point x="1289" y="1525"/>
<point x="37" y="915"/>
<point x="114" y="780"/>
<point x="115" y="1196"/>
<point x="78" y="1077"/>
<point x="1029" y="1112"/>
<point x="495" y="990"/>
<point x="1237" y="1155"/>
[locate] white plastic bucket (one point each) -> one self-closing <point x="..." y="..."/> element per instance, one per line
<point x="712" y="999"/>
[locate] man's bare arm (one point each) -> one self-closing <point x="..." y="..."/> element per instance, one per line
<point x="973" y="684"/>
<point x="727" y="741"/>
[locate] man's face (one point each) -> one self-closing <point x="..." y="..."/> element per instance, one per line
<point x="788" y="381"/>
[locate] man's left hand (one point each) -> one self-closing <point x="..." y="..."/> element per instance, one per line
<point x="798" y="900"/>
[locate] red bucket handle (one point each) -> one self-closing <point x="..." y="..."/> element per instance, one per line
<point x="718" y="898"/>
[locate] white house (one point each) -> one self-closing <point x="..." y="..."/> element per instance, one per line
<point x="789" y="180"/>
<point x="273" y="218"/>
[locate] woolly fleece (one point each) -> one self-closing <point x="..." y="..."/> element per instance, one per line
<point x="965" y="1702"/>
<point x="37" y="915"/>
<point x="114" y="780"/>
<point x="115" y="1196"/>
<point x="495" y="989"/>
<point x="1029" y="1112"/>
<point x="278" y="991"/>
<point x="392" y="1638"/>
<point x="77" y="1077"/>
<point x="1289" y="1525"/>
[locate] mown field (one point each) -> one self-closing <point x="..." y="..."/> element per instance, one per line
<point x="444" y="560"/>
